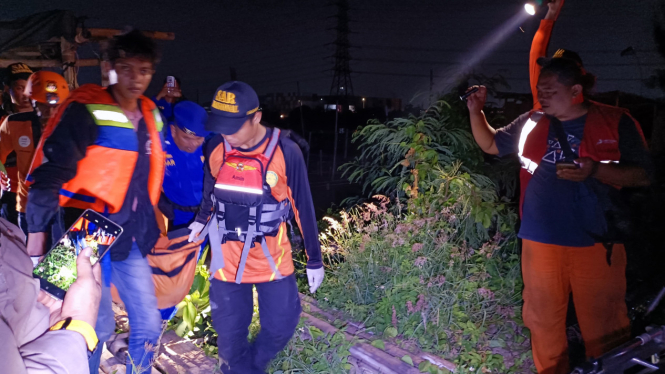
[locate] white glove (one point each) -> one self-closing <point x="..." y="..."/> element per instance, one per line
<point x="315" y="278"/>
<point x="196" y="229"/>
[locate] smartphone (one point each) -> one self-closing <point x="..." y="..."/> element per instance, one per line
<point x="566" y="165"/>
<point x="56" y="271"/>
<point x="170" y="84"/>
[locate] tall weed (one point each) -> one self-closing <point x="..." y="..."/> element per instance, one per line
<point x="445" y="276"/>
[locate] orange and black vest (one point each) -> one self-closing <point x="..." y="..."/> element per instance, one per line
<point x="600" y="141"/>
<point x="104" y="174"/>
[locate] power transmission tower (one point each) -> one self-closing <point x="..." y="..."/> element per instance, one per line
<point x="341" y="84"/>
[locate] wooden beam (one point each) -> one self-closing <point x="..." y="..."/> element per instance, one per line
<point x="97" y="33"/>
<point x="68" y="53"/>
<point x="48" y="63"/>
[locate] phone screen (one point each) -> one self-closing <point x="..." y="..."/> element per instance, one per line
<point x="170" y="81"/>
<point x="57" y="269"/>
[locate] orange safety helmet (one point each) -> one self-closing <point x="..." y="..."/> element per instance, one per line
<point x="47" y="87"/>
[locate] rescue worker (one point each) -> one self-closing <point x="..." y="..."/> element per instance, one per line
<point x="16" y="82"/>
<point x="255" y="181"/>
<point x="104" y="152"/>
<point x="574" y="154"/>
<point x="167" y="98"/>
<point x="183" y="178"/>
<point x="20" y="133"/>
<point x="15" y="101"/>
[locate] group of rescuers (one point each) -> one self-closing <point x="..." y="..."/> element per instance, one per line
<point x="105" y="149"/>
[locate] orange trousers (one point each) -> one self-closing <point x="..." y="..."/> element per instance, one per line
<point x="551" y="273"/>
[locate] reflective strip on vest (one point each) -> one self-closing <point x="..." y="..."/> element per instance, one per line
<point x="158" y="120"/>
<point x="255" y="191"/>
<point x="109" y="115"/>
<point x="608" y="162"/>
<point x="527" y="164"/>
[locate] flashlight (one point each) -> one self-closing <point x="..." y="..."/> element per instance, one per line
<point x="530" y="8"/>
<point x="466" y="95"/>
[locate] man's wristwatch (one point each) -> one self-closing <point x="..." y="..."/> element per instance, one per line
<point x="82" y="328"/>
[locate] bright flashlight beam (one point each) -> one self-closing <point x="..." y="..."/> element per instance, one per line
<point x="468" y="63"/>
<point x="487" y="46"/>
<point x="530" y="8"/>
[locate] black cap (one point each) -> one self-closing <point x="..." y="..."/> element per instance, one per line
<point x="562" y="54"/>
<point x="17" y="71"/>
<point x="234" y="102"/>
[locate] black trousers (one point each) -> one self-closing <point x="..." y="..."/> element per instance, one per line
<point x="232" y="308"/>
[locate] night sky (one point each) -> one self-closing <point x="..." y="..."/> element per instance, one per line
<point x="273" y="44"/>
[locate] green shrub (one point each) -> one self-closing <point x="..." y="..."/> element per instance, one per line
<point x="445" y="276"/>
<point x="391" y="152"/>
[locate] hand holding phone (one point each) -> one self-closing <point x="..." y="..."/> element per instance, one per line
<point x="566" y="165"/>
<point x="82" y="300"/>
<point x="170" y="85"/>
<point x="57" y="270"/>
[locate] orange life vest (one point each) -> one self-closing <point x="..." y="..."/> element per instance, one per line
<point x="104" y="174"/>
<point x="600" y="141"/>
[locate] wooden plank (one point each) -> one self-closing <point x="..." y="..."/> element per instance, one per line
<point x="179" y="356"/>
<point x="85" y="62"/>
<point x="310" y="304"/>
<point x="374" y="357"/>
<point x="100" y="33"/>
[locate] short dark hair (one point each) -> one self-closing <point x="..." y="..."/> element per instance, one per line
<point x="568" y="72"/>
<point x="133" y="44"/>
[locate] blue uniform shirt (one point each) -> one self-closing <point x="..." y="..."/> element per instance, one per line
<point x="183" y="178"/>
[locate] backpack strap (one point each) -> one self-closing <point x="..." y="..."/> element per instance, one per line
<point x="272" y="146"/>
<point x="217" y="260"/>
<point x="227" y="147"/>
<point x="276" y="212"/>
<point x="271" y="261"/>
<point x="249" y="243"/>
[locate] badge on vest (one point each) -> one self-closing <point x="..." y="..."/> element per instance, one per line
<point x="24" y="141"/>
<point x="272" y="178"/>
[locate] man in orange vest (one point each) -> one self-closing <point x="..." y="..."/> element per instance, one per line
<point x="575" y="154"/>
<point x="254" y="182"/>
<point x="103" y="151"/>
<point x="20" y="132"/>
<point x="16" y="101"/>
